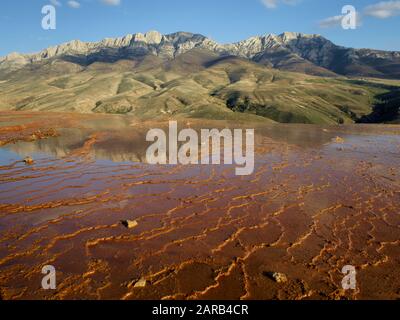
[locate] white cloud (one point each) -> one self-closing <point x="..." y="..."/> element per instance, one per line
<point x="272" y="4"/>
<point x="74" y="4"/>
<point x="380" y="10"/>
<point x="336" y="21"/>
<point x="383" y="10"/>
<point x="55" y="3"/>
<point x="111" y="2"/>
<point x="331" y="22"/>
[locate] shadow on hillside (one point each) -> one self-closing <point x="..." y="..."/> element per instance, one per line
<point x="387" y="106"/>
<point x="107" y="56"/>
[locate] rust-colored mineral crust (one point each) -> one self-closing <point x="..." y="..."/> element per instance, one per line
<point x="314" y="204"/>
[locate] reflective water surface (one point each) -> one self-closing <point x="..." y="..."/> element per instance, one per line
<point x="320" y="198"/>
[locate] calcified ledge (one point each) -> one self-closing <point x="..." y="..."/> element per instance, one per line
<point x="321" y="198"/>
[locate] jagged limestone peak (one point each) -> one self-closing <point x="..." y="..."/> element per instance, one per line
<point x="151" y="37"/>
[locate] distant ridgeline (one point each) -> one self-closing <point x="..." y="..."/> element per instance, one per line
<point x="291" y="77"/>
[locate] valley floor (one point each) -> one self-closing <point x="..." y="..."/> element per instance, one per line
<point x="321" y="198"/>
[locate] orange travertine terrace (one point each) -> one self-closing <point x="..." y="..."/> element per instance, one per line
<point x="320" y="198"/>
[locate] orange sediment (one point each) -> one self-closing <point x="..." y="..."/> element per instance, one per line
<point x="201" y="232"/>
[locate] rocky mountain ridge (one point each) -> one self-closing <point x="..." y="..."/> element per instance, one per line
<point x="290" y="51"/>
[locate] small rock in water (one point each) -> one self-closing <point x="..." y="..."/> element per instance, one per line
<point x="141" y="283"/>
<point x="277" y="277"/>
<point x="129" y="224"/>
<point x="339" y="140"/>
<point x="28" y="160"/>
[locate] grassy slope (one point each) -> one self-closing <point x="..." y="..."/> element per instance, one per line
<point x="197" y="84"/>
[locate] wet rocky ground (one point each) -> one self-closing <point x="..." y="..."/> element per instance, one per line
<point x="115" y="227"/>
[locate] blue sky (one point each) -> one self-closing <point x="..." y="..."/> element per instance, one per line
<point x="222" y="20"/>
